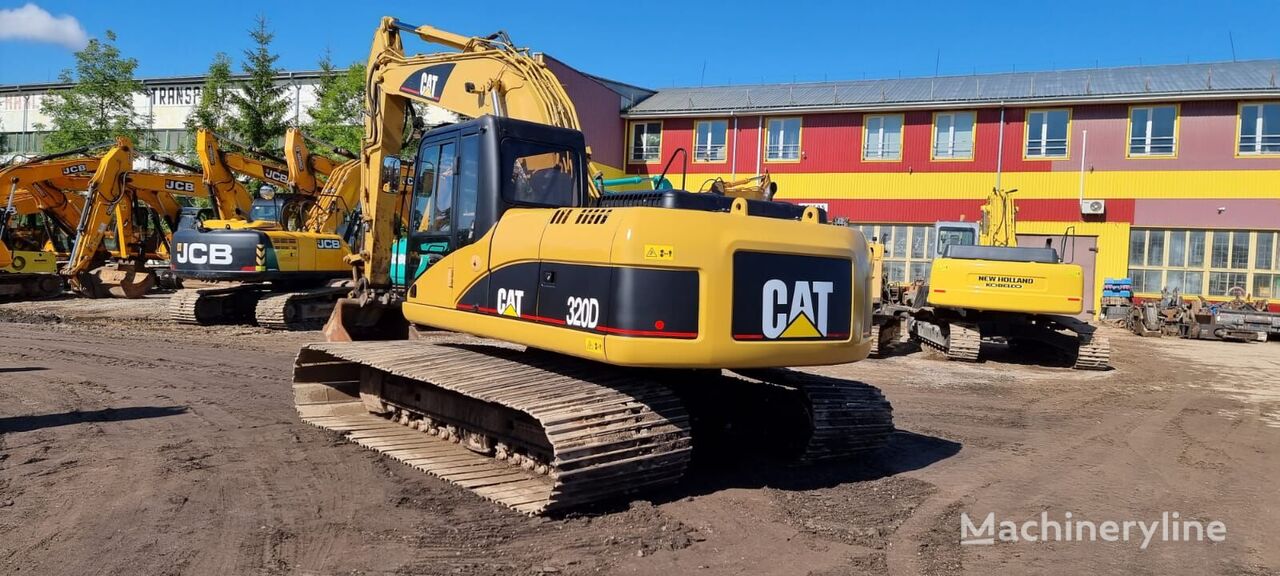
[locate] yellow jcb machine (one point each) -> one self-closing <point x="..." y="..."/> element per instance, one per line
<point x="982" y="285"/>
<point x="608" y="321"/>
<point x="278" y="264"/>
<point x="28" y="258"/>
<point x="126" y="223"/>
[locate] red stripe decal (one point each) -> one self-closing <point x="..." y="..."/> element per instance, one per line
<point x="658" y="333"/>
<point x="559" y="322"/>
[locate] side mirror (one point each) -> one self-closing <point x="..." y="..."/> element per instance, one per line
<point x="391" y="174"/>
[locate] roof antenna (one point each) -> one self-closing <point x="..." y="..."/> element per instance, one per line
<point x="1232" y="40"/>
<point x="937" y="62"/>
<point x="703" y="79"/>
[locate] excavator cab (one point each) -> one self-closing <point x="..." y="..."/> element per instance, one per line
<point x="467" y="175"/>
<point x="954" y="234"/>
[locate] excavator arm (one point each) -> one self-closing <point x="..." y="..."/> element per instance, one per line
<point x="107" y="198"/>
<point x="481" y="76"/>
<point x="305" y="168"/>
<point x="229" y="195"/>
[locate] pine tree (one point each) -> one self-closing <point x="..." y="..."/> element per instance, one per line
<point x="260" y="105"/>
<point x="99" y="105"/>
<point x="338" y="116"/>
<point x="213" y="112"/>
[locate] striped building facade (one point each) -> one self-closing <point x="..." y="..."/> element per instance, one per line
<point x="1169" y="175"/>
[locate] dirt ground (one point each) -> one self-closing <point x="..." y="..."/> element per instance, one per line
<point x="130" y="446"/>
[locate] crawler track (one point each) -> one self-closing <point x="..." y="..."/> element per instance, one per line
<point x="957" y="342"/>
<point x="207" y="306"/>
<point x="846" y="418"/>
<point x="301" y="310"/>
<point x="15" y="286"/>
<point x="539" y="432"/>
<point x="1094" y="355"/>
<point x="553" y="433"/>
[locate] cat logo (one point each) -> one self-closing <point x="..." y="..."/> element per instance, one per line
<point x="428" y="82"/>
<point x="179" y="186"/>
<point x="75" y="169"/>
<point x="797" y="311"/>
<point x="509" y="302"/>
<point x="428" y="86"/>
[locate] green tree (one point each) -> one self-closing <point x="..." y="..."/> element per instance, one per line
<point x="99" y="105"/>
<point x="260" y="105"/>
<point x="338" y="116"/>
<point x="214" y="109"/>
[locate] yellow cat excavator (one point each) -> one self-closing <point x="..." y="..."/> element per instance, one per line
<point x="278" y="264"/>
<point x="607" y="322"/>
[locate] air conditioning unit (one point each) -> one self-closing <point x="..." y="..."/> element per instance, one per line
<point x="1093" y="206"/>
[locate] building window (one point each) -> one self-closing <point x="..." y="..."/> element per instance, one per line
<point x="1176" y="259"/>
<point x="1152" y="130"/>
<point x="646" y="141"/>
<point x="907" y="253"/>
<point x="953" y="135"/>
<point x="1047" y="133"/>
<point x="783" y="140"/>
<point x="1260" y="128"/>
<point x="882" y="137"/>
<point x="709" y="140"/>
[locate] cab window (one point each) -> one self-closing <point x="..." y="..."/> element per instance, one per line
<point x="424" y="187"/>
<point x="468" y="185"/>
<point x="537" y="174"/>
<point x="955" y="236"/>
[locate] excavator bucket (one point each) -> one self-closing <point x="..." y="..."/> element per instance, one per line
<point x="122" y="281"/>
<point x="353" y="322"/>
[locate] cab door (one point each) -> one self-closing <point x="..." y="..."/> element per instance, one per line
<point x="441" y="218"/>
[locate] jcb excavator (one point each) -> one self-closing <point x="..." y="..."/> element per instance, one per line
<point x="982" y="285"/>
<point x="30" y="271"/>
<point x="140" y="208"/>
<point x="282" y="273"/>
<point x="608" y="319"/>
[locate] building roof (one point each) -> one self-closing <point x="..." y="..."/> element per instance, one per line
<point x="1136" y="83"/>
<point x="303" y="76"/>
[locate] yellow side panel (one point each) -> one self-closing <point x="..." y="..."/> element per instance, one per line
<point x="1028" y="287"/>
<point x="690" y="240"/>
<point x="30" y="262"/>
<point x="309" y="251"/>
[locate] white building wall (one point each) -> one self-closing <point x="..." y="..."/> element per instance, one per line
<point x="169" y="103"/>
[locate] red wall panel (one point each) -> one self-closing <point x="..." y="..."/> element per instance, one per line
<point x="833" y="143"/>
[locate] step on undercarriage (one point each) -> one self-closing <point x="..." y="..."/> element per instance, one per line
<point x="1073" y="338"/>
<point x="305" y="309"/>
<point x="540" y="432"/>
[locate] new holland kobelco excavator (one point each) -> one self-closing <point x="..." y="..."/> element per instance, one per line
<point x="282" y="273"/>
<point x="30" y="272"/>
<point x="607" y="322"/>
<point x="982" y="285"/>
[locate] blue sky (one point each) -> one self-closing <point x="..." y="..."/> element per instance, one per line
<point x="661" y="44"/>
